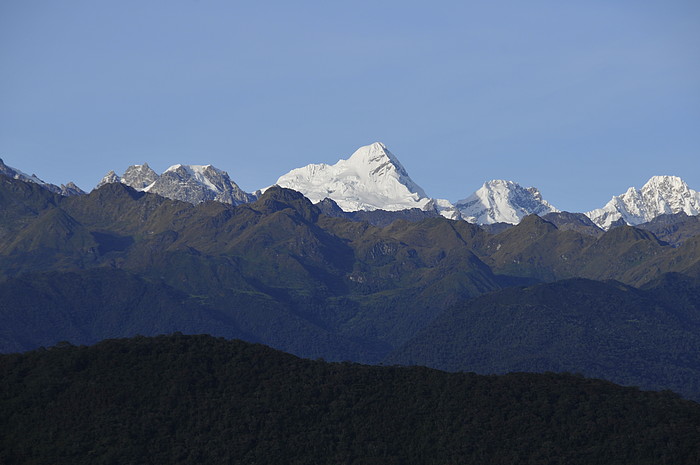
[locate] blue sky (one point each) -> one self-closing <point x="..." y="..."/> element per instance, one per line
<point x="580" y="99"/>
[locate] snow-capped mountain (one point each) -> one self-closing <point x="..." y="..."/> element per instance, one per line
<point x="371" y="179"/>
<point x="660" y="195"/>
<point x="502" y="201"/>
<point x="63" y="189"/>
<point x="189" y="183"/>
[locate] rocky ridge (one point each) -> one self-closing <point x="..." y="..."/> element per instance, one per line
<point x="373" y="179"/>
<point x="189" y="183"/>
<point x="63" y="189"/>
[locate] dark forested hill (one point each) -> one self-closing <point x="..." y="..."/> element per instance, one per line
<point x="197" y="399"/>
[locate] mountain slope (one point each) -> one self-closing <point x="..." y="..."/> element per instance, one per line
<point x="673" y="228"/>
<point x="89" y="306"/>
<point x="536" y="248"/>
<point x="648" y="338"/>
<point x="502" y="201"/>
<point x="353" y="290"/>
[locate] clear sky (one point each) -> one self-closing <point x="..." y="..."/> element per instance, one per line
<point x="580" y="99"/>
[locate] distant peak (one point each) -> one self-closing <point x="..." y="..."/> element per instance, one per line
<point x="502" y="201"/>
<point x="665" y="182"/>
<point x="659" y="196"/>
<point x="371" y="178"/>
<point x="173" y="168"/>
<point x="109" y="178"/>
<point x="501" y="183"/>
<point x="371" y="152"/>
<point x="664" y="178"/>
<point x="191" y="168"/>
<point x="379" y="159"/>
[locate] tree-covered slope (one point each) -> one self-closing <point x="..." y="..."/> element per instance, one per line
<point x="648" y="338"/>
<point x="185" y="399"/>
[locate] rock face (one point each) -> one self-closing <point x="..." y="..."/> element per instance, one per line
<point x="502" y="201"/>
<point x="188" y="183"/>
<point x="139" y="176"/>
<point x="371" y="179"/>
<point x="66" y="190"/>
<point x="199" y="183"/>
<point x="661" y="195"/>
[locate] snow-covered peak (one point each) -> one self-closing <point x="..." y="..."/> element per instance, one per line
<point x="666" y="185"/>
<point x="376" y="162"/>
<point x="501" y="201"/>
<point x="660" y="195"/>
<point x="371" y="178"/>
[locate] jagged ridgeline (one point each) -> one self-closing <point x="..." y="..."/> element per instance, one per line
<point x="373" y="179"/>
<point x="120" y="262"/>
<point x="197" y="399"/>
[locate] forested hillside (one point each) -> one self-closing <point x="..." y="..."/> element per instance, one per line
<point x="197" y="399"/>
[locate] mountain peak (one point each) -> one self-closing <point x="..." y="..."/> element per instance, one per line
<point x="372" y="178"/>
<point x="666" y="184"/>
<point x="501" y="201"/>
<point x="660" y="195"/>
<point x="139" y="176"/>
<point x="278" y="198"/>
<point x="188" y="183"/>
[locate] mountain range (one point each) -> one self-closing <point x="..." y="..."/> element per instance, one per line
<point x="521" y="292"/>
<point x="189" y="183"/>
<point x="119" y="262"/>
<point x="373" y="179"/>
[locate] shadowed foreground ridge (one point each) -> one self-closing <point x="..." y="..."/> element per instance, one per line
<point x="198" y="399"/>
